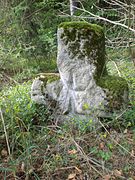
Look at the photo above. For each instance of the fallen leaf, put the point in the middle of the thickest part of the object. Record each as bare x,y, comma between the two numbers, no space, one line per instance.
117,173
102,145
73,151
107,177
22,167
5,160
71,176
132,153
78,170
105,135
125,131
4,153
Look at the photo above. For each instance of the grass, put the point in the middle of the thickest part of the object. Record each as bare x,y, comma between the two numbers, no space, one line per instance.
34,145
57,151
22,69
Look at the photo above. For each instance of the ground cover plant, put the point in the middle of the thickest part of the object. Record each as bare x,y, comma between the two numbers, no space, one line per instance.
36,146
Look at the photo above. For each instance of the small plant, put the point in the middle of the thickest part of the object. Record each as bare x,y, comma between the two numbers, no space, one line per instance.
83,124
20,113
129,117
104,155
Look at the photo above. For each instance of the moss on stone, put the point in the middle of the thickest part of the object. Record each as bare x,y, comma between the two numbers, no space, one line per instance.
113,83
115,87
82,25
93,36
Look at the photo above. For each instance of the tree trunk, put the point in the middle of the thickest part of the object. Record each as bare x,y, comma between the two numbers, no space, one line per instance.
73,4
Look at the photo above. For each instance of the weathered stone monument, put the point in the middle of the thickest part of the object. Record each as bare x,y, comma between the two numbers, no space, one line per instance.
83,85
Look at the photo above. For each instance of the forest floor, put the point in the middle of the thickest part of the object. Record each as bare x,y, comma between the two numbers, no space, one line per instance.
69,154
61,151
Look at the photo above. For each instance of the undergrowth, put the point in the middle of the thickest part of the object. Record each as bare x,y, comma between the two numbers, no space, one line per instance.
34,145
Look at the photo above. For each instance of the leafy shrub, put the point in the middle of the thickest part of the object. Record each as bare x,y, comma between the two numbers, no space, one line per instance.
19,112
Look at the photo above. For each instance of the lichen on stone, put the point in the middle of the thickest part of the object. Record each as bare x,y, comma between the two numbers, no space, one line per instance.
47,78
82,39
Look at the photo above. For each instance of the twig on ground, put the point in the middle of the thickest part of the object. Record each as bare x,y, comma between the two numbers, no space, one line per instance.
86,157
11,79
116,141
5,131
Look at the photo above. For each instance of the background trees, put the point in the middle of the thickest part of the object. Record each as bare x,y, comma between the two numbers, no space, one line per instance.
33,24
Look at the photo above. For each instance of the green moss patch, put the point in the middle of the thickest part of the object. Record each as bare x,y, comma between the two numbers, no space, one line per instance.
116,87
113,83
82,25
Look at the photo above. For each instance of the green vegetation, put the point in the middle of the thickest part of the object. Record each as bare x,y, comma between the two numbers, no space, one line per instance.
34,144
115,85
82,25
18,109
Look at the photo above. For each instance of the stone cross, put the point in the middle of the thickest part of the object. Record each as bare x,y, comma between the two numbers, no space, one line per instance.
84,86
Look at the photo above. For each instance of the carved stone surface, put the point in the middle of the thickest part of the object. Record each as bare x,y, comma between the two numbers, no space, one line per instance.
84,86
